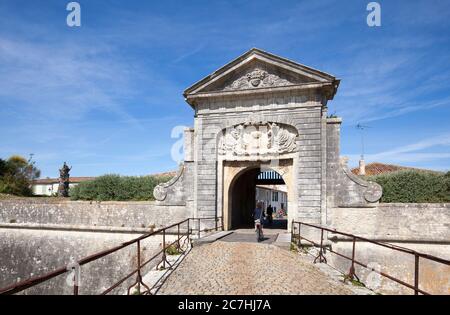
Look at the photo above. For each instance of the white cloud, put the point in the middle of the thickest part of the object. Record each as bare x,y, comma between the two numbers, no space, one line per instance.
59,80
410,154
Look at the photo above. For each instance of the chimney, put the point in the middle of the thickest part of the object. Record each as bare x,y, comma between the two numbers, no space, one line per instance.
362,167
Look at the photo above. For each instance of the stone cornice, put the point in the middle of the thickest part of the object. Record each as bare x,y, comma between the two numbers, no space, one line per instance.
327,88
335,120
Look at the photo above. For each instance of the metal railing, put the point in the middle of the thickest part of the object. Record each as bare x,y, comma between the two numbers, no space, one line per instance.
193,225
353,238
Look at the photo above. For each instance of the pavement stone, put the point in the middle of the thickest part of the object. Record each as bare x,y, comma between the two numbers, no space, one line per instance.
243,268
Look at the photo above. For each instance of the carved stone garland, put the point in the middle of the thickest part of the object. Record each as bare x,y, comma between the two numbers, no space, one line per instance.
262,139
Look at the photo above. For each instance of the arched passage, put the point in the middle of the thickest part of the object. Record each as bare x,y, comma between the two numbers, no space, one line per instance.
253,185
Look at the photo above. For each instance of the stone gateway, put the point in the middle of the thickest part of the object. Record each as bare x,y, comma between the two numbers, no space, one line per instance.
261,112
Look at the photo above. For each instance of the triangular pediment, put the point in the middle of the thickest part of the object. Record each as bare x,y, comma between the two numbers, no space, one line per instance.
257,74
259,70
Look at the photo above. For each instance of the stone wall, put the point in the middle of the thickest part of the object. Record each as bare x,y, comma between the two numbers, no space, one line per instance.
304,113
396,222
434,277
421,227
131,215
39,235
29,253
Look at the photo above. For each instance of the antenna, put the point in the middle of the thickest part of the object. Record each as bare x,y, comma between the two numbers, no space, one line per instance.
362,128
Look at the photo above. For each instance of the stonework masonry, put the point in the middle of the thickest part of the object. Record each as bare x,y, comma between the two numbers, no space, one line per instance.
27,253
396,222
121,216
264,109
421,227
39,235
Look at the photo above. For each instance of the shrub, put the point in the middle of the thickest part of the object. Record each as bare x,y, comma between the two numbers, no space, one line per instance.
414,186
117,188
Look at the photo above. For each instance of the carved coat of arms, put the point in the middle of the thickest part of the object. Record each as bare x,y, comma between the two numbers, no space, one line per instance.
257,78
263,139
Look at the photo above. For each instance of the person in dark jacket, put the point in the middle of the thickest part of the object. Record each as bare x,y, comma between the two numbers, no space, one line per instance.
269,213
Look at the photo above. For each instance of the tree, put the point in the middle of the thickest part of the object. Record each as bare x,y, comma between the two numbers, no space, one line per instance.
2,167
17,175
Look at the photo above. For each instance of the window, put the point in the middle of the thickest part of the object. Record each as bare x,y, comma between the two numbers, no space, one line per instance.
275,196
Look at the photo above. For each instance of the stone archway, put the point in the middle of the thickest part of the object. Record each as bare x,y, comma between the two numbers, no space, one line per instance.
242,198
239,189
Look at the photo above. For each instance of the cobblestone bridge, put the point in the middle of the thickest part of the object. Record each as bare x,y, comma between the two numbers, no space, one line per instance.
235,266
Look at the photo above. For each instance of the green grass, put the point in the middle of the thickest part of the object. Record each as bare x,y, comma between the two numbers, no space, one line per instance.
294,248
353,281
173,250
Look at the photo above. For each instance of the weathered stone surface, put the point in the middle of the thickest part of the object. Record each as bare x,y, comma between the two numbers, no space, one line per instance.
172,191
434,278
395,222
85,213
344,189
31,253
248,269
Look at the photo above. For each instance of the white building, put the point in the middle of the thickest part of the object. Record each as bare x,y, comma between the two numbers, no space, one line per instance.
49,186
274,195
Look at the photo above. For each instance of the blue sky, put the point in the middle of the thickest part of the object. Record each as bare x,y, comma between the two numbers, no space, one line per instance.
104,97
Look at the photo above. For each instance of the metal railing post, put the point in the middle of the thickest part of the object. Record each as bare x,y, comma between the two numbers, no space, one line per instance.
75,282
178,235
351,273
321,257
299,235
139,266
321,244
199,228
164,249
292,230
416,274
188,231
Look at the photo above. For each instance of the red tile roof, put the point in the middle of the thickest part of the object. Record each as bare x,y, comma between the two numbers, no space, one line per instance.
48,181
380,168
165,174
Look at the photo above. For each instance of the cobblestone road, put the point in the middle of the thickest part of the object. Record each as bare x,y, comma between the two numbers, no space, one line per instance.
247,268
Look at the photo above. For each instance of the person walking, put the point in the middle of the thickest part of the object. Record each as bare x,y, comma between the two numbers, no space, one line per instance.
269,213
258,216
